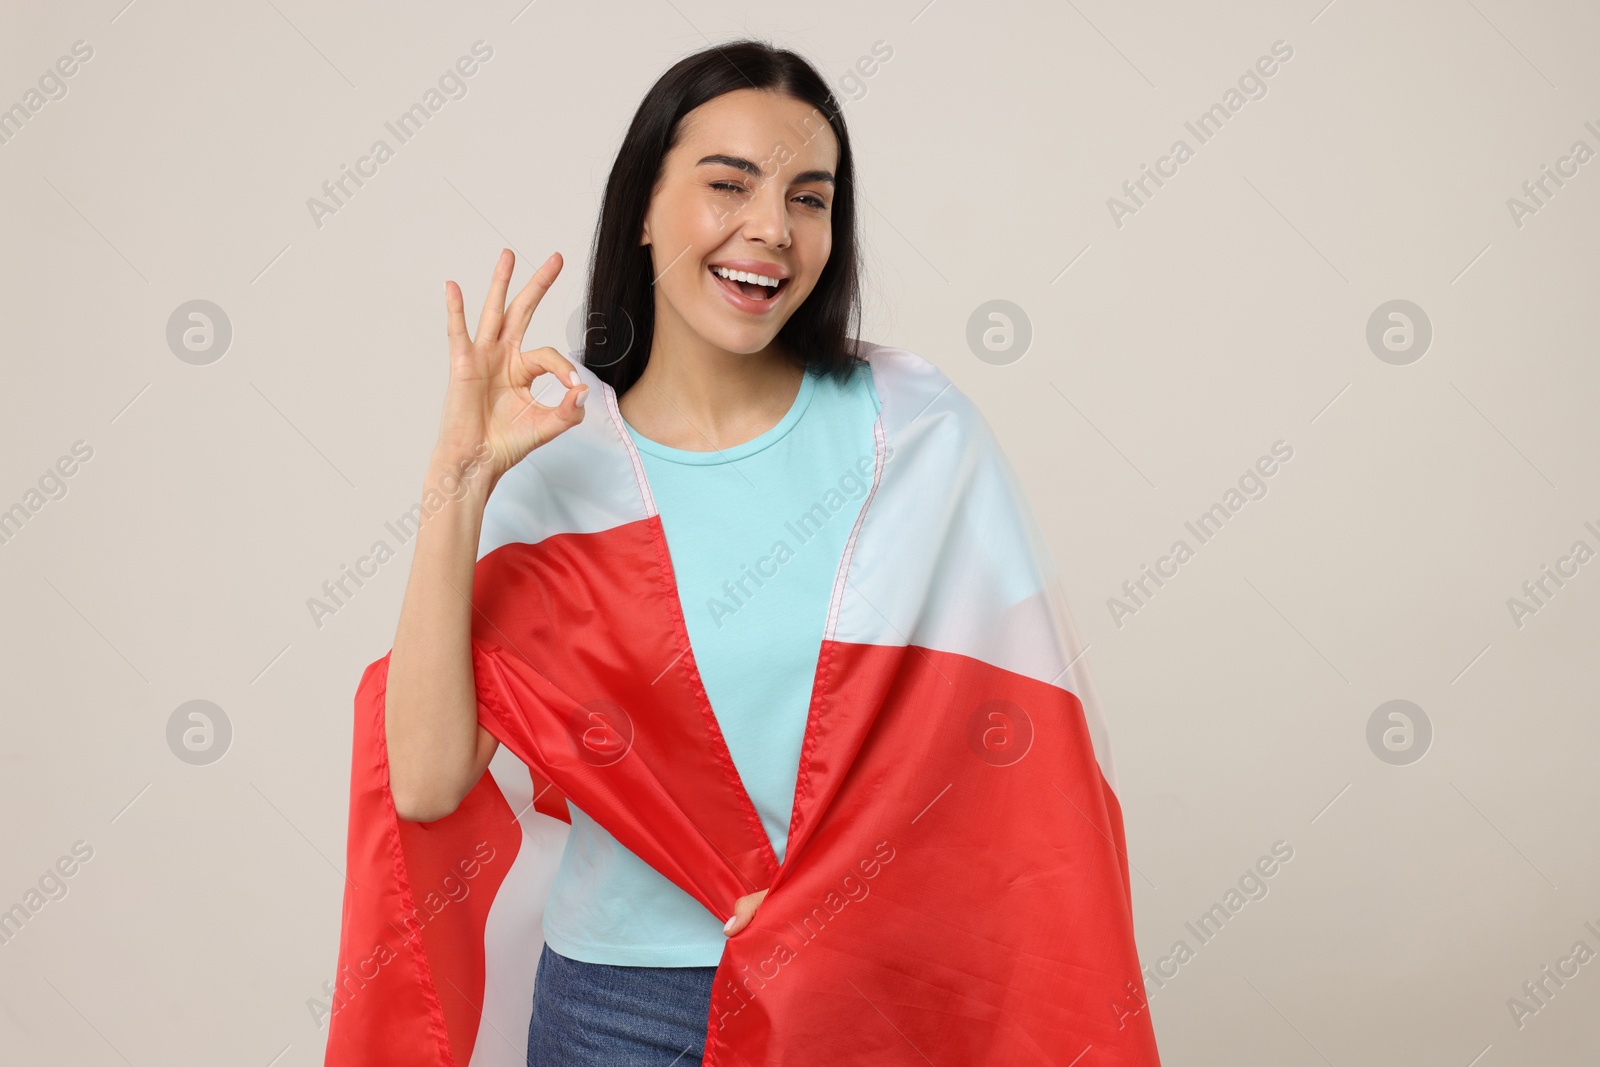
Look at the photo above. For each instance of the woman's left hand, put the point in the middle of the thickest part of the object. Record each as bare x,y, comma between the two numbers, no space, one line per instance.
744,909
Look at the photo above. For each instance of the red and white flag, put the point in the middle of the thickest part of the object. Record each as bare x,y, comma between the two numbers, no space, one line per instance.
955,887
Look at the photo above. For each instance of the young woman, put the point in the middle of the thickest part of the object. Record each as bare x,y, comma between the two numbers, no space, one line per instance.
721,300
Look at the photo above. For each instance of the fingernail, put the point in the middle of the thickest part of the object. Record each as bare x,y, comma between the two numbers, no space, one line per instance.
572,379
727,927
583,394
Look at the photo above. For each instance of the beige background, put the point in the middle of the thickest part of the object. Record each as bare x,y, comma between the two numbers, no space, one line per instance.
1228,313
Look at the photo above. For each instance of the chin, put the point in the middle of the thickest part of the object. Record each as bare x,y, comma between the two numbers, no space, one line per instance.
747,341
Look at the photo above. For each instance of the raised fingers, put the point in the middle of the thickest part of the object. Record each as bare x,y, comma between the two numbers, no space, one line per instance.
456,322
494,304
521,311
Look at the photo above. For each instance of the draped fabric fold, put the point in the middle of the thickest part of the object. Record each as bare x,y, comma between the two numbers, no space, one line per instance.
955,887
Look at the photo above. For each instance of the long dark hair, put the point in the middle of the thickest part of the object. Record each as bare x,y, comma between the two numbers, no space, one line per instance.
620,313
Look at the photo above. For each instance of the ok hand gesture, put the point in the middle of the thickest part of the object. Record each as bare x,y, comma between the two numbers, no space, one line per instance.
488,401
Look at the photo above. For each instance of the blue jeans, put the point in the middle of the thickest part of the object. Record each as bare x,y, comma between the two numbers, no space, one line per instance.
598,1014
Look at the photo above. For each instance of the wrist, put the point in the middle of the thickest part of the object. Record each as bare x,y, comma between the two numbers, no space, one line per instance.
457,473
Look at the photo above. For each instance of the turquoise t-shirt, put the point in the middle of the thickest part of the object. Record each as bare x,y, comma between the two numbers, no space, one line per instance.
755,533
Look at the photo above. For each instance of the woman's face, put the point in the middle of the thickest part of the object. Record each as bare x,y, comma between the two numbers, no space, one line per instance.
748,187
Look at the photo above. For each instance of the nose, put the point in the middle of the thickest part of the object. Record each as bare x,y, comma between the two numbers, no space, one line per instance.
766,216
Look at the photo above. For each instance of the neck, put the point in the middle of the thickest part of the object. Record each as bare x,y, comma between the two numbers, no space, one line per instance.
697,396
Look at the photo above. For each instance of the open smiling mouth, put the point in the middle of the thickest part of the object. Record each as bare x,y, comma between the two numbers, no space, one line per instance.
746,285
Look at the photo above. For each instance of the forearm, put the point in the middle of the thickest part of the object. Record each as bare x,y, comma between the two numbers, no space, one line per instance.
431,711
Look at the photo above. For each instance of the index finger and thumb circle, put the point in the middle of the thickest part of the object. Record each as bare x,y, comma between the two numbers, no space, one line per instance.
529,365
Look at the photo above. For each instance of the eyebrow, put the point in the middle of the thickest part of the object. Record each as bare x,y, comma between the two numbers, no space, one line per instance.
751,168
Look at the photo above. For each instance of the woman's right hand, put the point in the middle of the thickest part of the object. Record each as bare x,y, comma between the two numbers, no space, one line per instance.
488,402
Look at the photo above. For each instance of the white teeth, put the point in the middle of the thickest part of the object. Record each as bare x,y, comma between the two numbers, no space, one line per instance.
745,276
